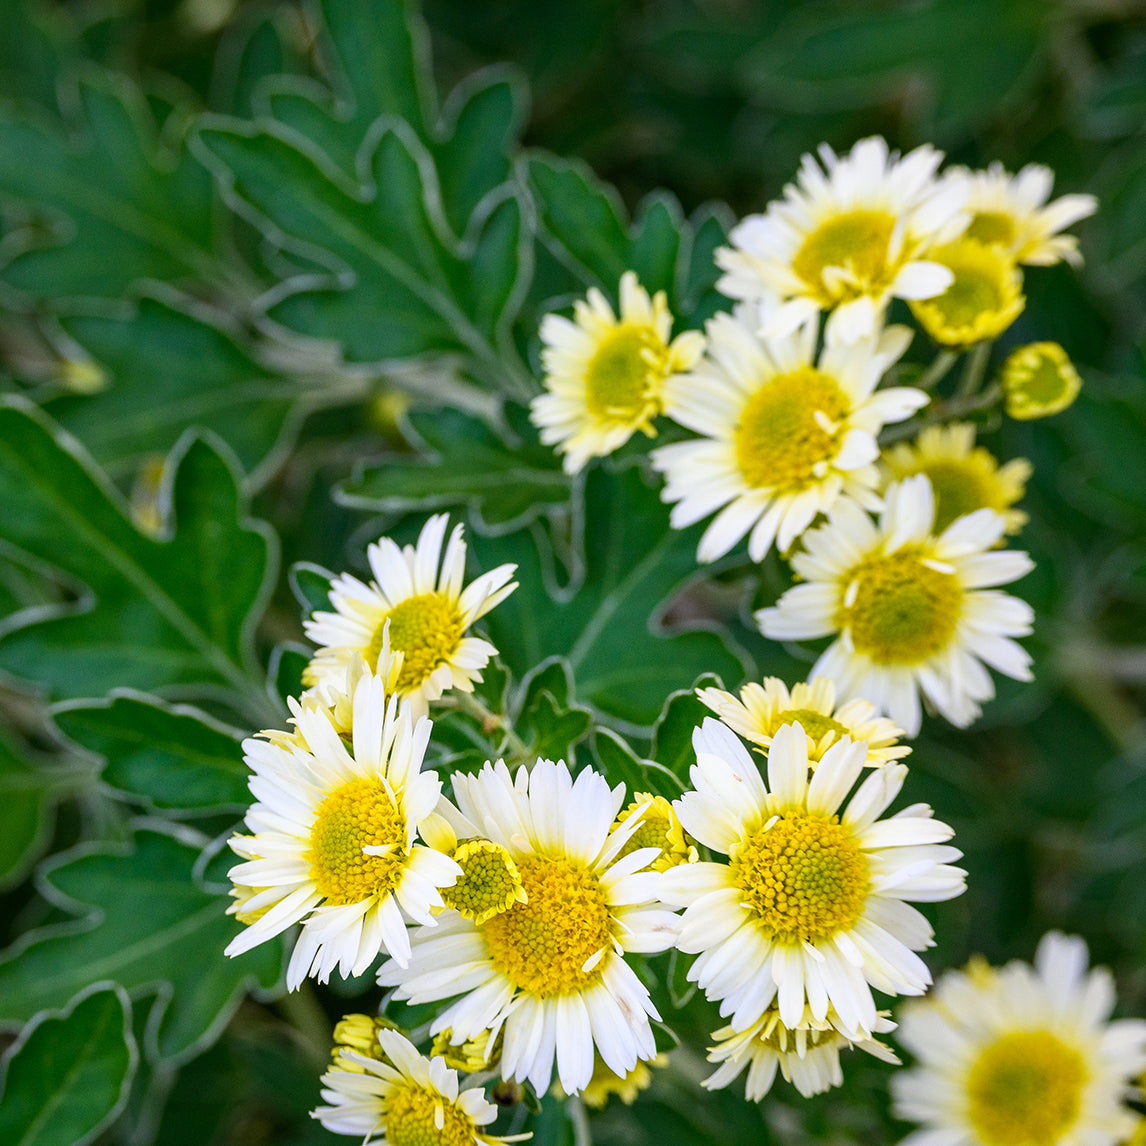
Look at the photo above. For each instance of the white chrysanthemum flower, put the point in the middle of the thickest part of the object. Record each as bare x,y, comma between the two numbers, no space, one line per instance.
912,611
808,1055
332,843
762,709
405,1100
604,375
428,613
1012,211
1021,1056
964,477
847,237
550,970
785,436
809,910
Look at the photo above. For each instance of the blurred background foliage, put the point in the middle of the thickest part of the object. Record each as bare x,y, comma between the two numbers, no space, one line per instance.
129,326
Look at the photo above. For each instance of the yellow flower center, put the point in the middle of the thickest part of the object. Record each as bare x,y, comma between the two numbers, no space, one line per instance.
1039,380
653,833
855,241
621,377
490,882
903,611
815,724
780,443
991,227
959,490
984,297
1025,1090
542,945
971,294
426,629
804,877
417,1116
357,815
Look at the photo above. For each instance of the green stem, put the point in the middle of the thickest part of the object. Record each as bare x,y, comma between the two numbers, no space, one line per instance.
303,1011
937,371
582,1135
974,370
490,720
939,411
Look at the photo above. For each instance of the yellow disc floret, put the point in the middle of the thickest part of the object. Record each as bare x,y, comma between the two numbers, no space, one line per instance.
469,1055
988,227
855,243
490,882
358,1033
360,814
815,724
660,828
803,876
1039,380
1025,1090
789,430
899,609
984,298
426,630
418,1116
544,944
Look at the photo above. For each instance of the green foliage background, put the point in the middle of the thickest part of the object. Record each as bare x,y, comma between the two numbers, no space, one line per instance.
306,263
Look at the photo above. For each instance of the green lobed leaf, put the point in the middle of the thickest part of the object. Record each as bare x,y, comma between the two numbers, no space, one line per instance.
376,54
68,1074
151,613
586,227
173,758
125,209
167,370
624,660
619,762
546,720
152,926
672,734
401,284
463,461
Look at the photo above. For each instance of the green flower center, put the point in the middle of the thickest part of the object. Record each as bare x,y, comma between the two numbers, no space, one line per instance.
1025,1090
357,815
903,611
488,884
958,491
855,241
804,877
814,723
620,379
426,629
992,227
1046,383
780,443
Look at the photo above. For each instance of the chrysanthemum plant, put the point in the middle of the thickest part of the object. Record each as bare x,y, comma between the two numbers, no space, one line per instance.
577,774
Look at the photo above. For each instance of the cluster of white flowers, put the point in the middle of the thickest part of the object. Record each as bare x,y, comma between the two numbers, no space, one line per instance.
518,904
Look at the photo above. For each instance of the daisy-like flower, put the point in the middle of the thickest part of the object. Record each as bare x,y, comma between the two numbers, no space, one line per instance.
848,237
1021,1056
659,829
333,836
428,613
912,612
1012,211
964,477
358,1033
402,1098
1038,380
808,911
808,1056
984,297
763,709
550,971
604,375
785,436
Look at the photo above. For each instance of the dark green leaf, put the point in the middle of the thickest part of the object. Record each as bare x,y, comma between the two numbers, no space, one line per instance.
151,927
153,613
464,462
681,716
403,285
172,757
624,661
619,762
125,209
68,1074
167,370
546,721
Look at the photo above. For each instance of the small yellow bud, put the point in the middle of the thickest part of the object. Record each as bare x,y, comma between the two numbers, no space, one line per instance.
1039,380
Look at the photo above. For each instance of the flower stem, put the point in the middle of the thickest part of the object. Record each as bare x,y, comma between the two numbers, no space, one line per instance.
935,373
974,370
490,720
